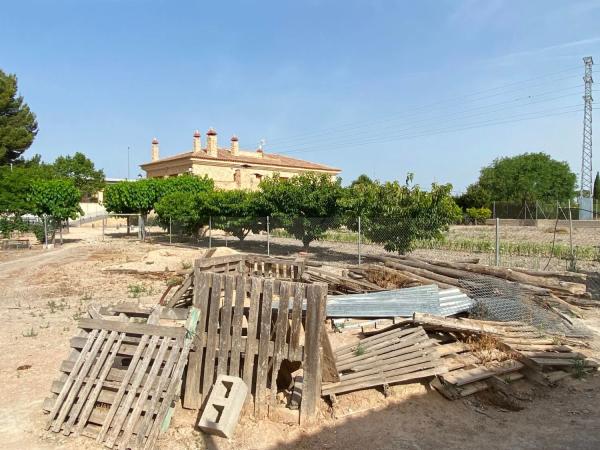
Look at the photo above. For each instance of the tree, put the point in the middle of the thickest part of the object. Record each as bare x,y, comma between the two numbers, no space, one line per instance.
528,177
596,191
58,199
18,126
239,213
398,215
82,171
15,185
474,197
185,211
304,205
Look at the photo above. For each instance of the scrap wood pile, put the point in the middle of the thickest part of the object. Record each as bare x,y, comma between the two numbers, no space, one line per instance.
459,357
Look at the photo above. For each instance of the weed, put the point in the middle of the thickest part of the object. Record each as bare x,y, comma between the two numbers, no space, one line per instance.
579,368
174,281
186,265
136,290
45,326
78,315
29,333
53,306
359,350
86,297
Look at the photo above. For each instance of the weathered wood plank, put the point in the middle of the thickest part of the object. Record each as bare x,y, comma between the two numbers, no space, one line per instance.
238,313
132,328
285,290
296,326
263,348
251,342
212,338
225,327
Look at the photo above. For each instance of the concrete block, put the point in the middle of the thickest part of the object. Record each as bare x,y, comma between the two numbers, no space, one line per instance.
223,407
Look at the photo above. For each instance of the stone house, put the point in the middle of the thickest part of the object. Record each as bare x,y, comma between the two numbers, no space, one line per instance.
230,168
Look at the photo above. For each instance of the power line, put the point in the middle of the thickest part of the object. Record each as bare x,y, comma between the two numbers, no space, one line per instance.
434,132
396,116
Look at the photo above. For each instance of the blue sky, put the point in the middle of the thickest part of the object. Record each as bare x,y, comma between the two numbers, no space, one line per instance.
438,88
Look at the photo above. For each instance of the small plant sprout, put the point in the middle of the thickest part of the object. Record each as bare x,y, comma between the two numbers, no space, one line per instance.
360,350
136,290
579,368
186,265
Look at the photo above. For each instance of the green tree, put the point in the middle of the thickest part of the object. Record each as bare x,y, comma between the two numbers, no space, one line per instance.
185,211
15,185
398,215
18,126
596,191
82,171
239,212
527,178
304,205
474,197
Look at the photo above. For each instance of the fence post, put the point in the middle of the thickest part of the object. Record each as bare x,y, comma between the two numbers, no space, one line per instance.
497,241
268,237
359,233
209,231
170,230
571,239
45,232
494,206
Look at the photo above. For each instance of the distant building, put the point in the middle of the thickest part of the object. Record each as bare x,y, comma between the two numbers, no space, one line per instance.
229,168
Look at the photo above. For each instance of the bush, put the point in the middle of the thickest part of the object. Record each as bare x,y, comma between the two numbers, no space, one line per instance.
38,230
478,215
10,224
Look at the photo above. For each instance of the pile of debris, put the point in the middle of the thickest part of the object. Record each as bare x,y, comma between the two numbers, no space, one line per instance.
242,328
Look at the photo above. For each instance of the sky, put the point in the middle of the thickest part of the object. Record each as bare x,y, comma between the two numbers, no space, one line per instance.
438,88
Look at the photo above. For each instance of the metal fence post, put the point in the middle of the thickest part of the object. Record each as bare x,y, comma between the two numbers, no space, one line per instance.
571,239
497,241
209,231
45,232
170,230
359,233
268,237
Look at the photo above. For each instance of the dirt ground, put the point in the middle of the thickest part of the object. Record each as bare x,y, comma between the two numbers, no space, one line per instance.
45,292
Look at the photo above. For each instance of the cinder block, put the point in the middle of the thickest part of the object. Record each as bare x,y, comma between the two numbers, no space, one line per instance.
223,407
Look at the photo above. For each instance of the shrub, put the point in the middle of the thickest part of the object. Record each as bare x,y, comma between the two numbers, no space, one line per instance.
478,215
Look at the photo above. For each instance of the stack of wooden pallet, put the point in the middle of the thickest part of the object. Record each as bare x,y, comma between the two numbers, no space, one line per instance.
124,372
400,354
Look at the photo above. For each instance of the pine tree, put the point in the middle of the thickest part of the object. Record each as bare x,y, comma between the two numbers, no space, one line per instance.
18,125
596,190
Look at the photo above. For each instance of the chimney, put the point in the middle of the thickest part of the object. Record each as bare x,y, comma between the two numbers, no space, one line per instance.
197,144
211,142
155,149
235,146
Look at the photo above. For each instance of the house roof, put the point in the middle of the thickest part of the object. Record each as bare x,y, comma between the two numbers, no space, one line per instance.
268,159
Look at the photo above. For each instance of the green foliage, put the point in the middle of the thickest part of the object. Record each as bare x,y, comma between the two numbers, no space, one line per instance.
479,215
187,211
15,185
239,212
398,216
56,198
475,197
132,197
18,125
528,177
596,191
82,171
304,205
10,224
185,183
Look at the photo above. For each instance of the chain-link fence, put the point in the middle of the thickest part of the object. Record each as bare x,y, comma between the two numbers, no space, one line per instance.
533,211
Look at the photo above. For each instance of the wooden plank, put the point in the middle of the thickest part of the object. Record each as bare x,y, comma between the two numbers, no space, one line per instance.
212,338
285,290
71,378
132,328
316,296
296,326
74,391
251,343
465,376
225,327
187,283
263,348
125,383
157,400
329,371
125,406
238,313
93,375
146,391
192,398
91,400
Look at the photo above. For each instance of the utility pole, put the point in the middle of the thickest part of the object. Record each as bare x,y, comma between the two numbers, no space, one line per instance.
586,185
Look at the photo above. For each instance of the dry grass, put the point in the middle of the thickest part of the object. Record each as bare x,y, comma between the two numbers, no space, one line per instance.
487,349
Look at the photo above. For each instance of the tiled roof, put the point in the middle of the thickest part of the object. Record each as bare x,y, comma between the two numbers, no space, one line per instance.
268,159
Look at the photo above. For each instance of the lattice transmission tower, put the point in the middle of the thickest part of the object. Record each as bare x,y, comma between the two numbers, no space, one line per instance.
586,186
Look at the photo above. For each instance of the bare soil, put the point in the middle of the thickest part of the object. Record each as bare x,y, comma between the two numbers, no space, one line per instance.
44,293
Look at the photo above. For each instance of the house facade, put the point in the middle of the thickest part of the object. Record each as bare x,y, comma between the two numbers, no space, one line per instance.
229,168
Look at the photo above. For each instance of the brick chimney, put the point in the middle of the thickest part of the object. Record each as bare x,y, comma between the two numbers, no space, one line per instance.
235,146
197,144
154,152
211,142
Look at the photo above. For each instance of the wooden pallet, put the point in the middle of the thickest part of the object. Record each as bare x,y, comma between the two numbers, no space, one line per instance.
122,377
397,355
241,334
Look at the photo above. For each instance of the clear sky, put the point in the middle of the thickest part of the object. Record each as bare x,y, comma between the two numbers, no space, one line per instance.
439,88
